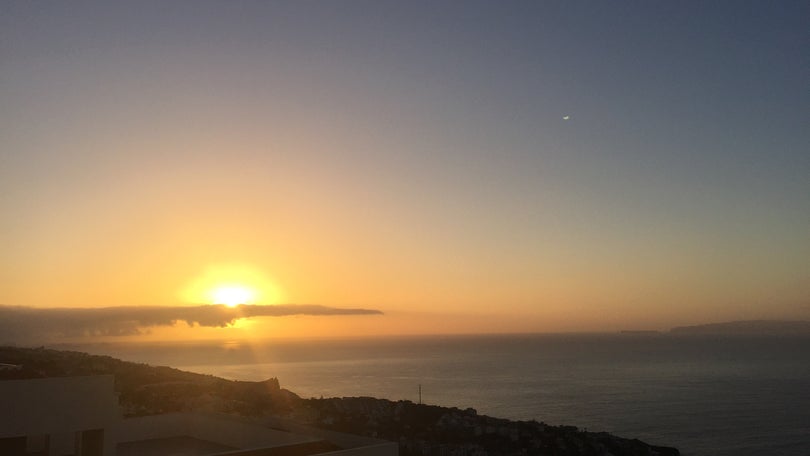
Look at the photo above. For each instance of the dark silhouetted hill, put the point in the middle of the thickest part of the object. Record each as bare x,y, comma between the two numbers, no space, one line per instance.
749,327
150,390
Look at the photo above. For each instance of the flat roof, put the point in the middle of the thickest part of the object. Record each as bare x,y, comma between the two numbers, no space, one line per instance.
175,446
191,446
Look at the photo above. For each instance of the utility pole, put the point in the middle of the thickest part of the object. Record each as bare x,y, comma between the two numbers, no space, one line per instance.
420,394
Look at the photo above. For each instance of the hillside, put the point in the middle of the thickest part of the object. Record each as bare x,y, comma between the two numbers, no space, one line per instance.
419,429
150,390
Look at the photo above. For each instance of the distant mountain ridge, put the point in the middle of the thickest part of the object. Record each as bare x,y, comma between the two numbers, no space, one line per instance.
749,327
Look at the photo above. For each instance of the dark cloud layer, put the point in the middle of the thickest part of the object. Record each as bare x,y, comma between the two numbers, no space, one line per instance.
29,323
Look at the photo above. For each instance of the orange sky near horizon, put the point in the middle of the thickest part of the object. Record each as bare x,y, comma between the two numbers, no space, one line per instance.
459,170
122,243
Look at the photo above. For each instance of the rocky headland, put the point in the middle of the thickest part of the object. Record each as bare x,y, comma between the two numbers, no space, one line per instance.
418,428
748,328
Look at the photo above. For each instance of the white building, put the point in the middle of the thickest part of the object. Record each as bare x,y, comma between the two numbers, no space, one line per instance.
58,416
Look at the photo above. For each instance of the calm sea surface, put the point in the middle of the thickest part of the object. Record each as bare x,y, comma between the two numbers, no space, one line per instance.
705,395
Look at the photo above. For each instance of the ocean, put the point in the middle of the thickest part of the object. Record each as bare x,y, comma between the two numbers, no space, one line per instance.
705,395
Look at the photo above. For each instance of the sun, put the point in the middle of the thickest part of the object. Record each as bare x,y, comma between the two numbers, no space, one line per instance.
232,295
231,285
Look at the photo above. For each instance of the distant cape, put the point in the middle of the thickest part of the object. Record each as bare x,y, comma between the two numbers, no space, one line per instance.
749,327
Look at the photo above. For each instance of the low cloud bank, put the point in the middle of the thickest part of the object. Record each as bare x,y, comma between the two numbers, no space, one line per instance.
27,323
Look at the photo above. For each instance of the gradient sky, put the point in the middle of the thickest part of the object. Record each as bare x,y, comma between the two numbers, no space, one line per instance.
411,157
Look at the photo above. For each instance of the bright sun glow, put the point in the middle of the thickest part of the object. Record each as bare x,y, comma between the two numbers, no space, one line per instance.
232,295
231,285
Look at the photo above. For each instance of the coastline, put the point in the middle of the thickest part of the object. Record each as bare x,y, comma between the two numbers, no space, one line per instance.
417,428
